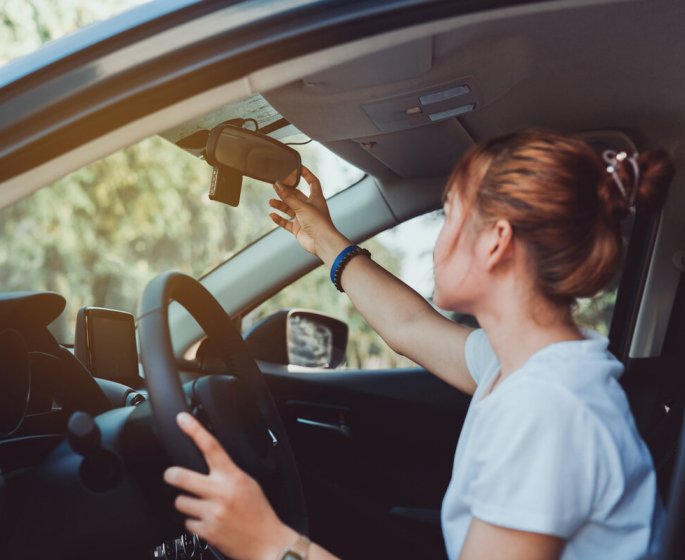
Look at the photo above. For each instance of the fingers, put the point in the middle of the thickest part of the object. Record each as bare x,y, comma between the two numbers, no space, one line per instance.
291,179
310,177
282,206
192,507
196,527
214,454
189,481
292,196
281,222
312,180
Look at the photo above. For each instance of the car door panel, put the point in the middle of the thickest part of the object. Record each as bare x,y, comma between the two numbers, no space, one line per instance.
375,453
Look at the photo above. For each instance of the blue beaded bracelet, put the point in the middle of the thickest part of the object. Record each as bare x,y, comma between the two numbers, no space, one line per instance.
340,262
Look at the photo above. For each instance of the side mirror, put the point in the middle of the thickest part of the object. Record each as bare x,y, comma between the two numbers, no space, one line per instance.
299,337
235,152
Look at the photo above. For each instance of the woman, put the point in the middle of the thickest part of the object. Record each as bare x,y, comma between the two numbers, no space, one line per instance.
549,462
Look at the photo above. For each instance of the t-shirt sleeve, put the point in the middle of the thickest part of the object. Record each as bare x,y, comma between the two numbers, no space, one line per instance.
479,355
539,461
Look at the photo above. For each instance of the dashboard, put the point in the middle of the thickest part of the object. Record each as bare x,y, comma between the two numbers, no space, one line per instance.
15,384
42,384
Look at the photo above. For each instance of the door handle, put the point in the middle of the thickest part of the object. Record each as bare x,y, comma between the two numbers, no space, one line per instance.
342,429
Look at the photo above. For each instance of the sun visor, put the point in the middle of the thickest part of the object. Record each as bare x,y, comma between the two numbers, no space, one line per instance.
42,307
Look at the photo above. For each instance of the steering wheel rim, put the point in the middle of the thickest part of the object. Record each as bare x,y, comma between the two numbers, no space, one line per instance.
167,397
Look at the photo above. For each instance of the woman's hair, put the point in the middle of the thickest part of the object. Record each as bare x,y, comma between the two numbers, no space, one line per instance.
561,202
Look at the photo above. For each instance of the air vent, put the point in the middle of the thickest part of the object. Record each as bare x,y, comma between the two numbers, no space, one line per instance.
134,399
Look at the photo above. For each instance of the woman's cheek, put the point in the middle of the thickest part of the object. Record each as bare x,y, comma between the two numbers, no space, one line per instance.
442,245
445,256
438,297
444,286
456,280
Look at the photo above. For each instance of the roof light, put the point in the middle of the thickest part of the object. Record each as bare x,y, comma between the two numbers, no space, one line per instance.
444,95
451,112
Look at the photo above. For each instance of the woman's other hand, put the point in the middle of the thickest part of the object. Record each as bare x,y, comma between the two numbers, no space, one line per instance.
226,507
310,222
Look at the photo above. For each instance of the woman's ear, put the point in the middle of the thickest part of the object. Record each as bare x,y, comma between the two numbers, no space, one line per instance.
500,243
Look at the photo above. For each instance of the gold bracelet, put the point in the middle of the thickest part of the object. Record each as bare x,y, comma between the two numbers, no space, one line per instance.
297,551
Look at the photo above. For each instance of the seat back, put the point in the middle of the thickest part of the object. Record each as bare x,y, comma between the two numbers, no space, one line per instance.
656,391
674,536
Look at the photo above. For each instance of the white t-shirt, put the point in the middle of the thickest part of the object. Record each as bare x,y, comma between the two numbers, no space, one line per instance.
554,450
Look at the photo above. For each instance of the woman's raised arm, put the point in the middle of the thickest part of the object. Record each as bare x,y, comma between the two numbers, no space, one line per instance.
401,316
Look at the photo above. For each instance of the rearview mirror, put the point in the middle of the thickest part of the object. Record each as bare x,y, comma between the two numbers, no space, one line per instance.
235,152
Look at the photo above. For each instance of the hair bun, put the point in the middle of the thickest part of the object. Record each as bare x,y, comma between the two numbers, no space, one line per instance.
655,173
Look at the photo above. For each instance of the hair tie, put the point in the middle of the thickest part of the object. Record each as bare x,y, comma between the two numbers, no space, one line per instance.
615,161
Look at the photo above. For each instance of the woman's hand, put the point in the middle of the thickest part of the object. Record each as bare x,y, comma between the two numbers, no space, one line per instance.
310,222
227,507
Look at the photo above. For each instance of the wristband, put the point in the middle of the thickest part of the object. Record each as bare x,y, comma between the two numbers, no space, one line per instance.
340,262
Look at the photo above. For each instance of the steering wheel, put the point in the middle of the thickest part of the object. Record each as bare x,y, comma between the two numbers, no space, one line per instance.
237,407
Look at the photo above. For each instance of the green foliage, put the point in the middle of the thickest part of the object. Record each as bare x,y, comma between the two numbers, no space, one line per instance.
595,313
27,24
100,234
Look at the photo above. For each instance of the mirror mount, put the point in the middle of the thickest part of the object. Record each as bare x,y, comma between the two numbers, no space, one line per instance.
226,183
226,186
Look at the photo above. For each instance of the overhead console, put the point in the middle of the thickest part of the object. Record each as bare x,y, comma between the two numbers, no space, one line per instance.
423,106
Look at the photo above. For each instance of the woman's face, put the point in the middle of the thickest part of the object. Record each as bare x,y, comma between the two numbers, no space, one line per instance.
458,276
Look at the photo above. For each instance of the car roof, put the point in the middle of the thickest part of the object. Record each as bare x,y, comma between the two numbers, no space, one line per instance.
569,66
149,65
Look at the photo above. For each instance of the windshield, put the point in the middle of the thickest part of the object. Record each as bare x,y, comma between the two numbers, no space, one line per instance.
98,235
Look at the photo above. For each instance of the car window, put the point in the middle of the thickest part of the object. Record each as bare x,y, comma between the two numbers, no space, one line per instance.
407,251
334,173
27,24
100,234
595,313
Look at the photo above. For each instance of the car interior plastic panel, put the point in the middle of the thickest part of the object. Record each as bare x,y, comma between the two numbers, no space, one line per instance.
663,277
669,421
